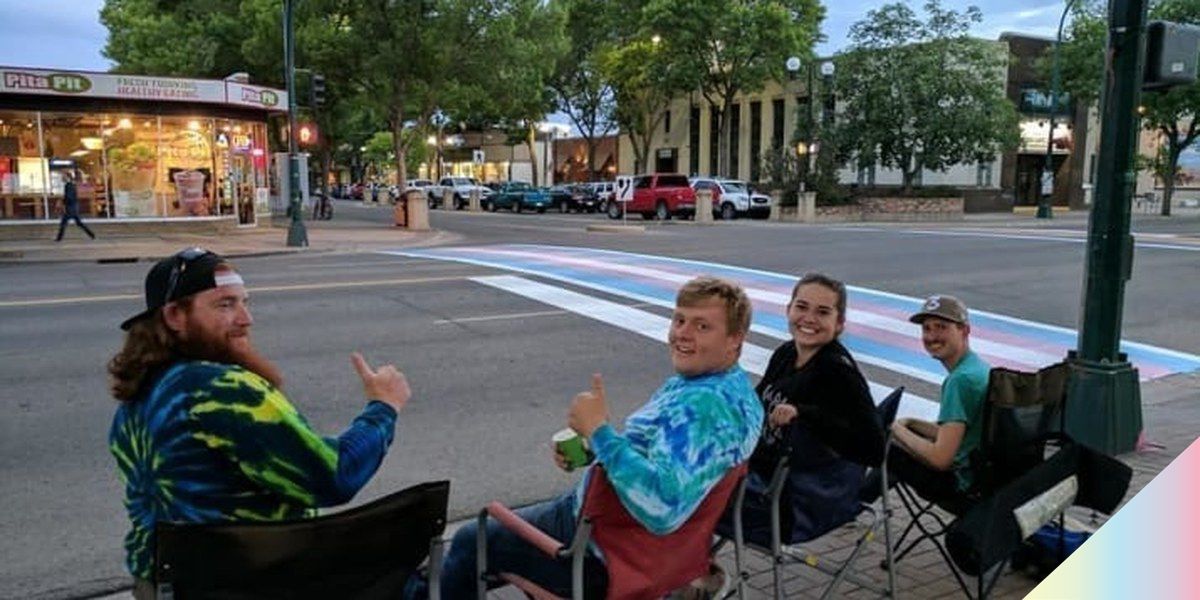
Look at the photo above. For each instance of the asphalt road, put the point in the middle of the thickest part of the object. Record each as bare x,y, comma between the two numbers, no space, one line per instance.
492,372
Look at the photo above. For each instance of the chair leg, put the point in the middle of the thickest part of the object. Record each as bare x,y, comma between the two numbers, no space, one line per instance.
859,545
887,536
435,568
776,550
481,557
739,540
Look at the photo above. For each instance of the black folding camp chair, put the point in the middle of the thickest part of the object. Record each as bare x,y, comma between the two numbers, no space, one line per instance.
364,553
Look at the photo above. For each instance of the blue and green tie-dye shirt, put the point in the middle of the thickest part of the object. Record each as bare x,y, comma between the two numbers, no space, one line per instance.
213,442
678,446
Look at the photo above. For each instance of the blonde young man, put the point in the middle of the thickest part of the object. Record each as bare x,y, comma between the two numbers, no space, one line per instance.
936,455
703,421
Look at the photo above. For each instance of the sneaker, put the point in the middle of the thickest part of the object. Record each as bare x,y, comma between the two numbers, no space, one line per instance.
707,587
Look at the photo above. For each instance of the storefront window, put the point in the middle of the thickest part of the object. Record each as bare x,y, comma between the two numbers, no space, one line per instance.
22,174
73,144
131,148
185,183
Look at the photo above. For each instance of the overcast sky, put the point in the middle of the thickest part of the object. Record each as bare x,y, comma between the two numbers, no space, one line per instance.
67,34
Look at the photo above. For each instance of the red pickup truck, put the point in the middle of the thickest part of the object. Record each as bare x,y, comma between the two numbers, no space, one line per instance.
657,196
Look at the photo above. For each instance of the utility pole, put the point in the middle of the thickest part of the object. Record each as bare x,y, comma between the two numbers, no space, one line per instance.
297,234
1104,408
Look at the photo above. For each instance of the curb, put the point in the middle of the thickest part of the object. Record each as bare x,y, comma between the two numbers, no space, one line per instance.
616,228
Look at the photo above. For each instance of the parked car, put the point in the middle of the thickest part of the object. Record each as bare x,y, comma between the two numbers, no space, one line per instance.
583,198
604,193
730,198
760,204
560,197
518,196
356,191
461,188
657,196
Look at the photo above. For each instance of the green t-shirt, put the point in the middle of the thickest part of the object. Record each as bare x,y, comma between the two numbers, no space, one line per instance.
963,393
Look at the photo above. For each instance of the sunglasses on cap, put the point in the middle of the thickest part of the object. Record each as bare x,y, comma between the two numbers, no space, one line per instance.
183,258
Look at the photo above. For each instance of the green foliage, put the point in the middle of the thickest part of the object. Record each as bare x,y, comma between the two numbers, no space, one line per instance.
1171,113
727,48
922,94
579,86
184,38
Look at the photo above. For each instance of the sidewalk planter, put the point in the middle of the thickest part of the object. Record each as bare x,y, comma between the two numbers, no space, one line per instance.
911,209
873,209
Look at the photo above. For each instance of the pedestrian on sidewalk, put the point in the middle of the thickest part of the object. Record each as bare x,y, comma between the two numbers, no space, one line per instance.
203,432
71,207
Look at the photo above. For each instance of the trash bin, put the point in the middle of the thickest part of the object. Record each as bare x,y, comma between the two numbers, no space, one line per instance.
400,212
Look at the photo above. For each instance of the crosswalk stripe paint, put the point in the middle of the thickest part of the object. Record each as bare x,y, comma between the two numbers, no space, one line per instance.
754,357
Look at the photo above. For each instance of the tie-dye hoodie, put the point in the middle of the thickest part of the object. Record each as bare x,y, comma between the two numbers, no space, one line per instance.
678,446
213,442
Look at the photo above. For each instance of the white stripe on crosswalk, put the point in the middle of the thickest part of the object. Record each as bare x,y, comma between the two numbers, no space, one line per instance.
754,357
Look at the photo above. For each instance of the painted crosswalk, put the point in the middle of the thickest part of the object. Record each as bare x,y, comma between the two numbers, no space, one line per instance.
877,328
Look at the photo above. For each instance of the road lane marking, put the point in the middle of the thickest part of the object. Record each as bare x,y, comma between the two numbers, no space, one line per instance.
883,338
255,289
754,357
545,313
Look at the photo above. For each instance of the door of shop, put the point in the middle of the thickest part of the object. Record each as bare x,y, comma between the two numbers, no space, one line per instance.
240,187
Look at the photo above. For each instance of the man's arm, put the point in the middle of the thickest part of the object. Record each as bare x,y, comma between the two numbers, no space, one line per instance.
661,489
936,450
273,445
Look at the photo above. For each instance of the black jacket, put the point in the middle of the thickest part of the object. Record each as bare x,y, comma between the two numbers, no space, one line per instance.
835,435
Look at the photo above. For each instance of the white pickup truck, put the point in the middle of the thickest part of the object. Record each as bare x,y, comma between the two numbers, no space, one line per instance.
462,188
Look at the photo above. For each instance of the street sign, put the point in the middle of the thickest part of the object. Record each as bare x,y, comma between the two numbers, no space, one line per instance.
477,157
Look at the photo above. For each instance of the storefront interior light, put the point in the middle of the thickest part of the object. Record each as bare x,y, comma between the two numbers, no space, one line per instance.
194,125
92,143
431,140
125,124
145,123
80,152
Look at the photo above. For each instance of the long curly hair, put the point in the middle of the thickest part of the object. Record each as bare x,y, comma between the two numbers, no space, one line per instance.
149,346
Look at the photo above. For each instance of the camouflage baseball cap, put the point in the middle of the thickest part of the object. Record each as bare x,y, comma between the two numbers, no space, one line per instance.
943,307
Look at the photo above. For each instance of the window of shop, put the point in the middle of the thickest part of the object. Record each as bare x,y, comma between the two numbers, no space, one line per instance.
24,170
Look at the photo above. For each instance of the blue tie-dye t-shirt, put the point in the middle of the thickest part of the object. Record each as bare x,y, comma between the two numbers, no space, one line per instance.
678,446
213,442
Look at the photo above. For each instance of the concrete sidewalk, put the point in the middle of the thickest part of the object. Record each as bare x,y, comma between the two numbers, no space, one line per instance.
323,236
1171,410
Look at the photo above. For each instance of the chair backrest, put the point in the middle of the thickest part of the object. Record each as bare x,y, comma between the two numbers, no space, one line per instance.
888,408
365,552
1022,411
641,564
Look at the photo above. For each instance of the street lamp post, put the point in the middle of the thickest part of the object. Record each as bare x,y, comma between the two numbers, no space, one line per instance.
1045,209
297,234
1103,408
793,69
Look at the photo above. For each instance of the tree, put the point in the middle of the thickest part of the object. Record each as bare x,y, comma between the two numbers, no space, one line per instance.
1171,113
730,48
181,38
524,41
644,80
579,86
922,94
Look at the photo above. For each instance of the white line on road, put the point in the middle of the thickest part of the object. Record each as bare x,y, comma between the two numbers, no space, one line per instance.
544,313
270,288
754,358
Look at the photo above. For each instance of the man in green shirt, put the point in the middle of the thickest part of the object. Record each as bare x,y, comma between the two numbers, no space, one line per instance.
935,456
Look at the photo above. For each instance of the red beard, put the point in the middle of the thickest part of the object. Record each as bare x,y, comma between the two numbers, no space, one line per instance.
203,345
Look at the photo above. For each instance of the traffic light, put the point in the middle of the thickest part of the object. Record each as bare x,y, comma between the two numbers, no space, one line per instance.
318,90
306,134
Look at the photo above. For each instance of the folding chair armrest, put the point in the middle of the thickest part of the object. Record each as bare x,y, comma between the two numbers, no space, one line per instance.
536,537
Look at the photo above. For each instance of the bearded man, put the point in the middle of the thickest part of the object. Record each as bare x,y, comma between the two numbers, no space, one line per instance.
203,432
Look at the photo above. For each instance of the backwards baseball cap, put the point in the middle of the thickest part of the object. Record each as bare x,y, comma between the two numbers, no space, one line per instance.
943,307
189,271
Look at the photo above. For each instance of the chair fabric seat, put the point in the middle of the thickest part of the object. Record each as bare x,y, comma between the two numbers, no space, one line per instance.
366,552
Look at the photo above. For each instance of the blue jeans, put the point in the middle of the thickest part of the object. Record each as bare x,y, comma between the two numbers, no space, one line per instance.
508,553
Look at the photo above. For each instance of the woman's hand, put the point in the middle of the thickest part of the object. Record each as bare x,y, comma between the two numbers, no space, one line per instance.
781,415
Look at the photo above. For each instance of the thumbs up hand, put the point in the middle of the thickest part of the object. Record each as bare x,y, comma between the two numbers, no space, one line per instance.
589,410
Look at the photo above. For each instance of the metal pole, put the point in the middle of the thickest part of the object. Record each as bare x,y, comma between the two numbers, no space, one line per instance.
297,234
1104,403
1045,201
